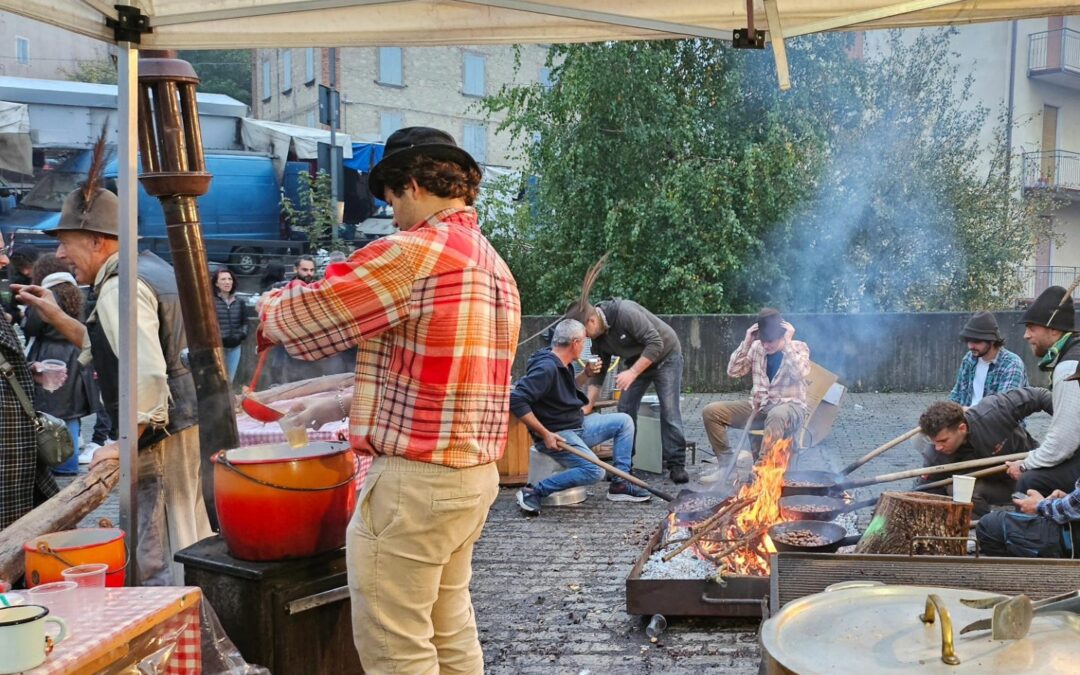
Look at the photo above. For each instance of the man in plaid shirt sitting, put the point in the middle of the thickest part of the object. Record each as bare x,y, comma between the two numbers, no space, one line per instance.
779,366
434,313
987,368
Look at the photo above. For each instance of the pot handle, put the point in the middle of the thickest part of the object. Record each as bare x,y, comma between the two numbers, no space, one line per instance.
221,459
934,603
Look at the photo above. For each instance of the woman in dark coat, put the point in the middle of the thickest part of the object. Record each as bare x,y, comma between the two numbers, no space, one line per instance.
232,315
72,401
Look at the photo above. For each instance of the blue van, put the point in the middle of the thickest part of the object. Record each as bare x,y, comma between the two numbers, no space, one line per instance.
240,214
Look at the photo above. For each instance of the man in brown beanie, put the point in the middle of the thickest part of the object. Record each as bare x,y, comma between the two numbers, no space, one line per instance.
779,366
1055,464
987,368
171,511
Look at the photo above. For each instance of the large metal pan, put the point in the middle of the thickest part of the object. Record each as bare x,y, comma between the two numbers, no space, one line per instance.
820,483
834,535
810,507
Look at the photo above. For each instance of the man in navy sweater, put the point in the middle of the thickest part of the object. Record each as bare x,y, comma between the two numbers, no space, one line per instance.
547,400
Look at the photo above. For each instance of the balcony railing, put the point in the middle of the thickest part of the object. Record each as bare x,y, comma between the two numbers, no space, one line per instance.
1058,169
1055,55
1037,278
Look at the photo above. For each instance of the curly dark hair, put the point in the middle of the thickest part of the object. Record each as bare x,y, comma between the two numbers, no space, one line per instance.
441,178
941,415
68,296
214,279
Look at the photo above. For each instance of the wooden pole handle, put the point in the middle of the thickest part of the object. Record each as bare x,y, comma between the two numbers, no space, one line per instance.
931,470
974,474
566,447
879,450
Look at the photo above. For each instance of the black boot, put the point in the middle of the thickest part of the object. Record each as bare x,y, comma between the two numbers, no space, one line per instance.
678,473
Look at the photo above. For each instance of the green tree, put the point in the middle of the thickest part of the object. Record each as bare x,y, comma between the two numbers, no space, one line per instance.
98,71
315,212
222,71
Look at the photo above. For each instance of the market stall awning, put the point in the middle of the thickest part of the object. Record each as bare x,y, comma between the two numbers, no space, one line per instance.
216,24
16,147
277,139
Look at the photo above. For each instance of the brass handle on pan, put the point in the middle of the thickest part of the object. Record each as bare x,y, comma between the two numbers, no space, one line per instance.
934,603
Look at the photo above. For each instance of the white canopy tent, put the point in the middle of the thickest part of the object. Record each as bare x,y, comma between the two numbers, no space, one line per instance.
279,139
15,145
207,24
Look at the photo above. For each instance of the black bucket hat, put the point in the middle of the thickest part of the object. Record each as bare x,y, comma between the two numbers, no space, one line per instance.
404,144
981,326
1048,310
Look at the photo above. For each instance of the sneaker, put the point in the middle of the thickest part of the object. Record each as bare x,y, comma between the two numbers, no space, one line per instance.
528,499
87,453
622,491
678,474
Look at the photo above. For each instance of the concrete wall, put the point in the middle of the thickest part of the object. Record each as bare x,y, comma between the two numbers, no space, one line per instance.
51,49
869,352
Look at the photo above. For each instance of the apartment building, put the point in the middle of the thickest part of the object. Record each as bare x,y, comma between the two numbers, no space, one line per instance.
386,88
30,48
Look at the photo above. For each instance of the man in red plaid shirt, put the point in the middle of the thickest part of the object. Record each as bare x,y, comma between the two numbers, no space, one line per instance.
435,313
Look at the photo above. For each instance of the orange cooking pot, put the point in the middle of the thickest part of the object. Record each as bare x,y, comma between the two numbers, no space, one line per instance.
50,554
276,502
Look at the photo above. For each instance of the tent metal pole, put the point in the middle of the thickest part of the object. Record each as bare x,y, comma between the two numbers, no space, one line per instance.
126,158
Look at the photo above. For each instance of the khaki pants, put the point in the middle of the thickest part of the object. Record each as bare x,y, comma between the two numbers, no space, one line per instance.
172,513
409,554
782,420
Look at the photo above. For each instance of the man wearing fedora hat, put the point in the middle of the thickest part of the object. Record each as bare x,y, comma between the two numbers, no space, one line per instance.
987,368
1055,464
435,314
172,513
779,366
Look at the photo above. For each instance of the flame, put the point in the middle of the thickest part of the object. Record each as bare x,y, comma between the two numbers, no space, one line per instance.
764,490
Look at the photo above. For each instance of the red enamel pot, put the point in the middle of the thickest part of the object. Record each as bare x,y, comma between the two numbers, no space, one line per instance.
276,502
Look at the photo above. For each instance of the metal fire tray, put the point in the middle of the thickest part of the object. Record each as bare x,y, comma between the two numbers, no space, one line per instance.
795,575
741,596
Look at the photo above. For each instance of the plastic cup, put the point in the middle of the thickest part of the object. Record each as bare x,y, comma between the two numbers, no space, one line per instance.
58,596
295,435
53,373
962,488
90,594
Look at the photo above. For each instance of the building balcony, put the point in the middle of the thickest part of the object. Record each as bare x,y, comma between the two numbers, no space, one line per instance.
1053,170
1054,57
1034,279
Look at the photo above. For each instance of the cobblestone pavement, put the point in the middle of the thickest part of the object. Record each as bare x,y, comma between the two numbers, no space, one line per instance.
549,590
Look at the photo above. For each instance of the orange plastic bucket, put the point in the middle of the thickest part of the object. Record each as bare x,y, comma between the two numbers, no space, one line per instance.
49,555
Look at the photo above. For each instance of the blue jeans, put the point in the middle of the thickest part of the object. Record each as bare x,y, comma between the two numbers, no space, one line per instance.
232,361
597,429
666,377
71,466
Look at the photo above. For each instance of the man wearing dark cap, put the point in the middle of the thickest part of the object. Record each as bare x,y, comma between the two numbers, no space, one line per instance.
988,368
172,514
779,366
1055,464
435,314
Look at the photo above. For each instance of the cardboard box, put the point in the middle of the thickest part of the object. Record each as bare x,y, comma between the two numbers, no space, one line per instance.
823,394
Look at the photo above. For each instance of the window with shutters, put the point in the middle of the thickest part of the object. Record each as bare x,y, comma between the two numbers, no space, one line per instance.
390,67
266,90
311,119
474,75
22,51
475,141
389,122
286,71
309,66
544,77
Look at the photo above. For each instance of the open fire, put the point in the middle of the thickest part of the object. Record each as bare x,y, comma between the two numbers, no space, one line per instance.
737,542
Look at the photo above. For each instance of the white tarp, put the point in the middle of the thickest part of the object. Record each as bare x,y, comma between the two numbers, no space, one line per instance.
224,24
16,147
278,138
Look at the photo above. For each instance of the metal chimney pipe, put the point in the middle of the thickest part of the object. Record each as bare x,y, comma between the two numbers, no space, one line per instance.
174,171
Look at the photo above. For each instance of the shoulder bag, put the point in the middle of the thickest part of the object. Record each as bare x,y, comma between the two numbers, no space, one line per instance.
54,443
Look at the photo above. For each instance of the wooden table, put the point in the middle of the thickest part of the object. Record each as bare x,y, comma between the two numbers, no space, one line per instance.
96,641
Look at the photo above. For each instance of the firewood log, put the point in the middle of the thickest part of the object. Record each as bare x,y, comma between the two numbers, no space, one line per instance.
902,516
62,511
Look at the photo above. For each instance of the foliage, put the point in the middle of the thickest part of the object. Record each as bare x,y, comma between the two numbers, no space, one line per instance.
716,192
315,211
222,71
97,71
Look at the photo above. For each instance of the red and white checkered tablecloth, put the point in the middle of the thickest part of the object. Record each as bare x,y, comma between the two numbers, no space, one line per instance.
172,612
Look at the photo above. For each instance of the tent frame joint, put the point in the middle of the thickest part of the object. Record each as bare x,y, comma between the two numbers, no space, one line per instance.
745,38
129,25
